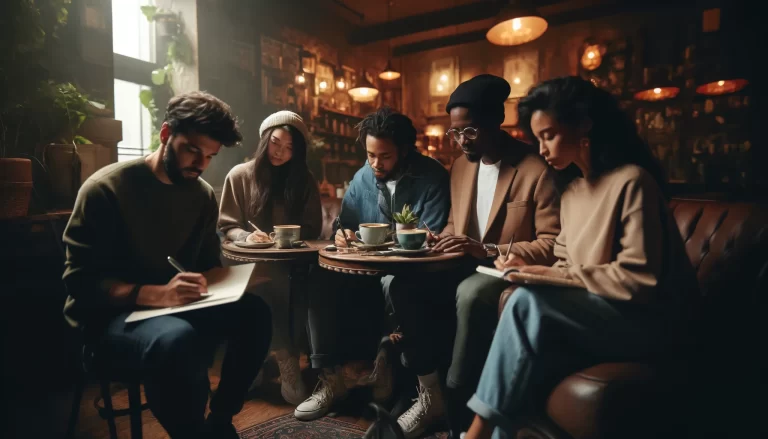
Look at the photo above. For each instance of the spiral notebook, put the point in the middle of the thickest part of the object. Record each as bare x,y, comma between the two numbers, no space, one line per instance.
225,285
514,276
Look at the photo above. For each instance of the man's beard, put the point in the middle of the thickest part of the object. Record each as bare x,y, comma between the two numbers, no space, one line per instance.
172,169
473,157
391,175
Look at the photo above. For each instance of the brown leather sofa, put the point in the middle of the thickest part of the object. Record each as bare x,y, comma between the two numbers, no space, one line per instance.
705,391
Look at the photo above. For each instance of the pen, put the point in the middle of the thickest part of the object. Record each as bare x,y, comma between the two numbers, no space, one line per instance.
506,256
181,269
176,265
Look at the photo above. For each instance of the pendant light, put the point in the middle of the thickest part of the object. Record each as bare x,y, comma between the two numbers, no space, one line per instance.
660,55
363,91
658,85
389,72
517,25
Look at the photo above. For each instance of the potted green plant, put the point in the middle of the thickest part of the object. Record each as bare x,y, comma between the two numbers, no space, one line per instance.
34,110
405,219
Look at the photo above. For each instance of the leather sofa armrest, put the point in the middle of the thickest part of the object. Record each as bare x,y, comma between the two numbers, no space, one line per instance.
606,400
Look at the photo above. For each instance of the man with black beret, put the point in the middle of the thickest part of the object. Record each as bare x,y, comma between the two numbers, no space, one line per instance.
502,194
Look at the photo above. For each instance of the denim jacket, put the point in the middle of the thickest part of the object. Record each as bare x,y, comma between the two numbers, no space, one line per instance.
425,186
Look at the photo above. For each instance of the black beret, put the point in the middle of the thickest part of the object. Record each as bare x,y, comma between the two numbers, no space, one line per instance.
484,95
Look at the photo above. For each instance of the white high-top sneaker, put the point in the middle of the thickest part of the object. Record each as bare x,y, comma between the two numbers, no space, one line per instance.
329,390
291,385
380,378
427,409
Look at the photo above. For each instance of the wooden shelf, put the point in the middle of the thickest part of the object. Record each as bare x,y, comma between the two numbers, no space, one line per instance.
330,134
339,112
348,162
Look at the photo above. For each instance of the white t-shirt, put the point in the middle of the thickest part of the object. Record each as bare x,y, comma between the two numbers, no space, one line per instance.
487,176
391,186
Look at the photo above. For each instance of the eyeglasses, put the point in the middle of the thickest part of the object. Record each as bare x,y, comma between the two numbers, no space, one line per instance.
468,132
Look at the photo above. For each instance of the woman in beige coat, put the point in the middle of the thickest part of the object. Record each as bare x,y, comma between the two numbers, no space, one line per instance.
275,187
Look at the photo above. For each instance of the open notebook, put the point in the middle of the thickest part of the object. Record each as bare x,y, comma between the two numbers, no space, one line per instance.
512,275
225,285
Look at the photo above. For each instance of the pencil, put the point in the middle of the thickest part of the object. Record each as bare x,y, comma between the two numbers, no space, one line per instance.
254,226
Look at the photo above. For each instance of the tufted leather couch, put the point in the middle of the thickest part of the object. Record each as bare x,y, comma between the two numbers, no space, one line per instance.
703,387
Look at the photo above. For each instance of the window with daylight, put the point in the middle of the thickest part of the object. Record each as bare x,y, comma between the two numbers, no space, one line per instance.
133,46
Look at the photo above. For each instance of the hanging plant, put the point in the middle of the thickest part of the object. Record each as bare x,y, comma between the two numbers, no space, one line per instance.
178,55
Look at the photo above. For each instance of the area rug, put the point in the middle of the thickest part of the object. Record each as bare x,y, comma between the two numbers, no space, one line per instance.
288,427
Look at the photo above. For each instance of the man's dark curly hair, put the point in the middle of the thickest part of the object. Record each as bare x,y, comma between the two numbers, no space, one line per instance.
386,123
203,113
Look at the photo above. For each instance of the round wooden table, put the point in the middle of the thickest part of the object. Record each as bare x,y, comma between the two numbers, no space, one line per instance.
361,264
272,254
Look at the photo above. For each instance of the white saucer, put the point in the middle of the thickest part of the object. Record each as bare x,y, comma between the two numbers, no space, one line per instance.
399,250
256,245
362,246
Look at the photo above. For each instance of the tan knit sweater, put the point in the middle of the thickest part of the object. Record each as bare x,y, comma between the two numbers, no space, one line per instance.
620,240
235,202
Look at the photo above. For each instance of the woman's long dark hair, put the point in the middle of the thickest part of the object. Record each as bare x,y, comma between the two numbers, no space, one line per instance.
264,185
613,138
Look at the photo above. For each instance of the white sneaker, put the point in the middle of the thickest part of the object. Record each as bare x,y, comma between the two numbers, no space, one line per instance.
380,378
427,409
329,389
292,386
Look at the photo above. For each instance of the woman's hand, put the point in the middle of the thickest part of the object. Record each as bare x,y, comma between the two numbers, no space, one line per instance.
258,236
504,263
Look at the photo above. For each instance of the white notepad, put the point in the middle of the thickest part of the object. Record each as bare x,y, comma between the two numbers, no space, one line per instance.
225,285
493,272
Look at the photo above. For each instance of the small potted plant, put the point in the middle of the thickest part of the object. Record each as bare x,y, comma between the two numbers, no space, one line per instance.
406,219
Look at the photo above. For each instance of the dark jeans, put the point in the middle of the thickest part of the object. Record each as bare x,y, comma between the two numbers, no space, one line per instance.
345,319
424,307
171,355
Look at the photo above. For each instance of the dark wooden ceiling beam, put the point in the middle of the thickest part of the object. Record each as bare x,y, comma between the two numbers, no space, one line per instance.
424,22
553,20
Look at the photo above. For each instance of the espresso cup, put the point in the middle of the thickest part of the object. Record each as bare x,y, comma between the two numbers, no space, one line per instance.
412,239
285,235
373,233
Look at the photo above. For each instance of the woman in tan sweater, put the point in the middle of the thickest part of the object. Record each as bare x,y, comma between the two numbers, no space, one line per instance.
618,243
274,188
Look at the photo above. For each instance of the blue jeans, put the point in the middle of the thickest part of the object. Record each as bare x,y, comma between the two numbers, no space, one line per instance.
546,333
171,355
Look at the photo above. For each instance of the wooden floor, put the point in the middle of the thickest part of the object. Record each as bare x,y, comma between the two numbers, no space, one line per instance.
46,417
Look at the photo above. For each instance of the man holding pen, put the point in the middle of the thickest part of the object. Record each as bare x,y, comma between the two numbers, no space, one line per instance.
129,221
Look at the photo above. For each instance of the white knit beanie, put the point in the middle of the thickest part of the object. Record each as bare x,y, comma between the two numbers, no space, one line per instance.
285,118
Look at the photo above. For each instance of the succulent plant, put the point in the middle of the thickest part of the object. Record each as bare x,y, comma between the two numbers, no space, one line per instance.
406,216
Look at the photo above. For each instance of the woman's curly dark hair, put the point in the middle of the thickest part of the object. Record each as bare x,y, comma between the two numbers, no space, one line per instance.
613,137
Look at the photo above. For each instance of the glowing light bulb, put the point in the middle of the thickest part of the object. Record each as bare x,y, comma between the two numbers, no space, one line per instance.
590,55
516,80
517,24
440,87
323,85
443,78
657,90
340,84
720,83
